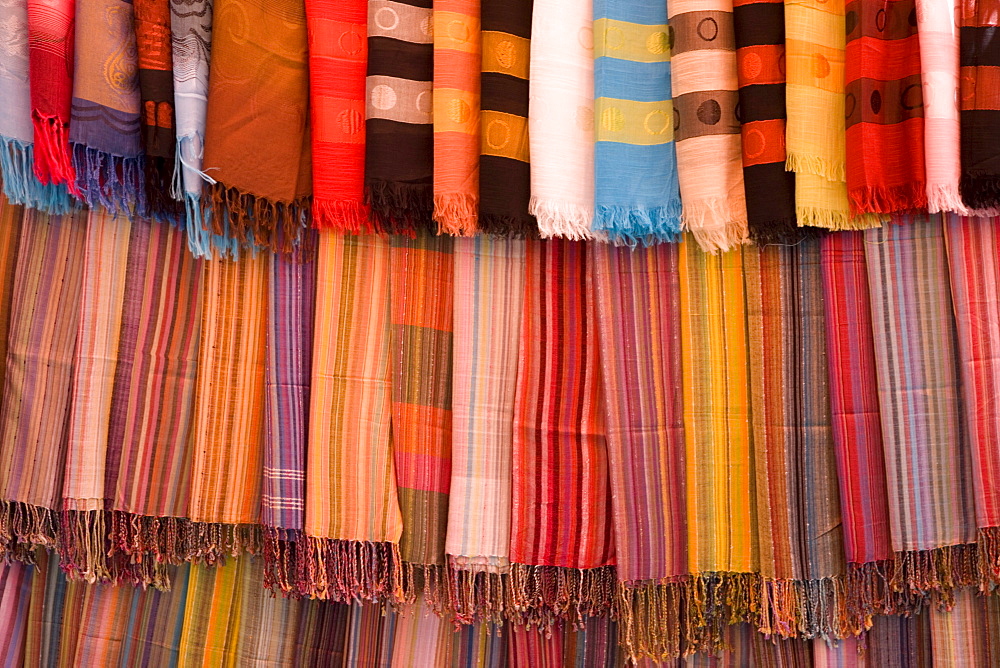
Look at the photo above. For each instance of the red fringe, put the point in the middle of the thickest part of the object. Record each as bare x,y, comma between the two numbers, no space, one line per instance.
897,199
342,216
256,220
53,157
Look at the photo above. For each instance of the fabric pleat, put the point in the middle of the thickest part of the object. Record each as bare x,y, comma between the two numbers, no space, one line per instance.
979,102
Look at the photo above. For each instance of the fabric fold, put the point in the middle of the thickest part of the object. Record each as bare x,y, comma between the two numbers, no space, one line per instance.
979,102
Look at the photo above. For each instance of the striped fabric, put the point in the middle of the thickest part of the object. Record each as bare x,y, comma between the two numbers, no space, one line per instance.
10,236
636,194
931,498
351,501
228,423
857,428
488,292
957,634
15,596
211,614
39,372
843,654
420,354
457,71
561,508
420,638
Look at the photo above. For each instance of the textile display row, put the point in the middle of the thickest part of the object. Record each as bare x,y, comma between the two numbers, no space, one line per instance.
513,432
631,121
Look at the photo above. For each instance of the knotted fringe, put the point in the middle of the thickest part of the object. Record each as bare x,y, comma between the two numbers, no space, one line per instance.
341,215
17,172
252,220
539,595
628,226
478,595
836,219
115,182
944,197
429,583
399,208
164,207
716,224
87,552
813,164
780,231
201,242
561,219
456,214
23,527
897,199
515,227
53,156
980,190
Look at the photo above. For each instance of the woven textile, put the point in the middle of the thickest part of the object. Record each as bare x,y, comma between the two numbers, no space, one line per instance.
105,127
258,97
884,107
11,217
504,170
704,85
351,503
561,506
956,634
561,118
399,147
635,165
979,101
457,71
15,596
338,54
420,353
939,51
488,292
760,56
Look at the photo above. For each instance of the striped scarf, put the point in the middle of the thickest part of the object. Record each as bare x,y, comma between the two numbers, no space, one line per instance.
258,97
884,107
338,54
979,101
561,118
635,167
399,148
505,173
11,217
957,633
704,84
457,67
15,596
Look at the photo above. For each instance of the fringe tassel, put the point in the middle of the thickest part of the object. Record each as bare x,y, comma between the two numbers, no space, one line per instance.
117,183
23,527
897,199
539,595
17,172
163,206
944,197
837,220
399,208
560,219
428,582
516,227
456,214
717,225
980,190
478,595
201,242
812,164
780,231
53,155
255,220
341,215
630,226
652,622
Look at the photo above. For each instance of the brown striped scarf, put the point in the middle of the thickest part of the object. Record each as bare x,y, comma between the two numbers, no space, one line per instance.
979,100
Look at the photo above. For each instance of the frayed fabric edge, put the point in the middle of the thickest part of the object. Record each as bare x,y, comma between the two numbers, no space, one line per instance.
341,215
718,225
639,226
115,182
813,164
22,186
564,220
887,200
456,214
837,220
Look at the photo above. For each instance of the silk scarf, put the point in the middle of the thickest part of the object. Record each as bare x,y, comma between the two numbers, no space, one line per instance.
561,118
399,146
258,97
504,162
979,101
704,86
338,54
884,108
457,67
636,195
760,56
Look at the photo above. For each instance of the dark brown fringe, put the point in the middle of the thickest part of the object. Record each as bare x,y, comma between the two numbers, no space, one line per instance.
539,595
159,173
980,190
784,232
428,582
516,227
400,208
23,527
253,220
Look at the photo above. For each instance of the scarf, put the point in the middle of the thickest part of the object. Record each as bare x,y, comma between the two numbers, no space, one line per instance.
420,353
975,278
15,595
488,292
399,148
704,83
51,27
156,92
905,641
854,399
105,130
105,256
637,309
760,55
258,97
561,531
457,65
10,234
227,429
939,52
45,302
957,633
979,101
561,118
505,172
353,518
884,107
338,54
635,166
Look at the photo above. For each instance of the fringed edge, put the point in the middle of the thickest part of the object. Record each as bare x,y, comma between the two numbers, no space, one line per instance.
399,208
341,215
652,621
562,219
456,214
717,225
812,164
430,584
780,231
980,190
944,198
885,200
478,595
509,227
21,184
252,220
334,570
634,226
115,182
87,552
837,220
539,595
160,173
24,527
53,154
201,242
